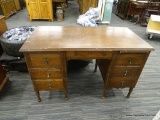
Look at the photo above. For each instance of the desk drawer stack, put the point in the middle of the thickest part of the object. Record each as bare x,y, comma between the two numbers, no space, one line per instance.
47,70
125,70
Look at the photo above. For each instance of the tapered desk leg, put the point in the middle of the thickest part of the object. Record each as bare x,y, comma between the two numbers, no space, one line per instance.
95,69
104,93
129,93
38,96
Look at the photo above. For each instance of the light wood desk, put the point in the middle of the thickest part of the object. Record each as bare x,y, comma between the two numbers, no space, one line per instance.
120,54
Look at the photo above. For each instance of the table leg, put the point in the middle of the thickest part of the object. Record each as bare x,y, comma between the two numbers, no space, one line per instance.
129,93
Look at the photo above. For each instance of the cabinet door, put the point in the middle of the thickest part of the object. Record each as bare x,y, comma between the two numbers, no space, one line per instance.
17,4
33,9
11,7
44,9
4,8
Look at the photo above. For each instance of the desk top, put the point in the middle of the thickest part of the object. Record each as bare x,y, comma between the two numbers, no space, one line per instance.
70,38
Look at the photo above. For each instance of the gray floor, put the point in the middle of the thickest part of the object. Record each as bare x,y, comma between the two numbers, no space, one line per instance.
18,100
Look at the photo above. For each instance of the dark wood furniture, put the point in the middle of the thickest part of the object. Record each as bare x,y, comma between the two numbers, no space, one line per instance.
3,78
84,5
122,8
127,8
3,28
120,53
152,8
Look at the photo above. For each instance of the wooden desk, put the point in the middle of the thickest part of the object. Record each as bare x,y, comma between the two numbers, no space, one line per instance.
120,54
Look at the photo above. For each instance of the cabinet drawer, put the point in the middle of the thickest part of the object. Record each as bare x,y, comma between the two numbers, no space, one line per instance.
39,73
45,60
89,54
55,84
43,0
119,82
125,71
130,59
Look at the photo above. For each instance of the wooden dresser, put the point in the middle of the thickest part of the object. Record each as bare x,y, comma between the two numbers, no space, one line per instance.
3,78
120,55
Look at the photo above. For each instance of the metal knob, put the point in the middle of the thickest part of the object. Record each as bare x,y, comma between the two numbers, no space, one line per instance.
50,86
130,60
125,73
46,60
104,54
48,74
122,82
75,54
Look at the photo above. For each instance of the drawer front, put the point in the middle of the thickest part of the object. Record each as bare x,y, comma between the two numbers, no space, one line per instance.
43,0
125,71
119,82
130,59
45,73
56,84
45,60
89,54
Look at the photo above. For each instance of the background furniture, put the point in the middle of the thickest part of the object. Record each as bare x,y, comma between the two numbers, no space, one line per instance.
153,26
17,4
3,28
39,9
84,5
120,63
3,78
122,8
7,7
152,8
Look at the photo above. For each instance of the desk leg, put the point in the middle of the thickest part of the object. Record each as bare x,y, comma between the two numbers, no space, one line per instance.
38,95
104,93
129,93
95,69
65,89
65,95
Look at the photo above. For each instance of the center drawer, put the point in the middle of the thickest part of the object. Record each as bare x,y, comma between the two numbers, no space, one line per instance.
89,54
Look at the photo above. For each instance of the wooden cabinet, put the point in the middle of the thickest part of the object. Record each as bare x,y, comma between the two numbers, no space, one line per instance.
17,4
84,5
40,9
125,70
47,70
8,7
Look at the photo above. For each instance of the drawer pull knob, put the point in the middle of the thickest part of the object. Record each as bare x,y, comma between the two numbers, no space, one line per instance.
48,74
46,61
130,61
50,86
125,73
122,82
104,54
75,54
